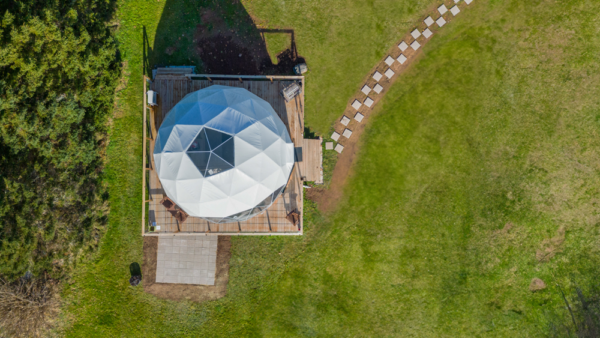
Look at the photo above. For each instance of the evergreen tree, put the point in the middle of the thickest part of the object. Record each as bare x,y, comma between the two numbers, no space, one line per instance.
58,71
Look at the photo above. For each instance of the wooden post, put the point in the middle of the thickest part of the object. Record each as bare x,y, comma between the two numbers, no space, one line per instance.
269,220
152,124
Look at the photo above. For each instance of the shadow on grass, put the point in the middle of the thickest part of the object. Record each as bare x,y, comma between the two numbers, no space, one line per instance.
218,38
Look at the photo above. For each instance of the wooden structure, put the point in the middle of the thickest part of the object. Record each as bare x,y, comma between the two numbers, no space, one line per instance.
311,166
171,88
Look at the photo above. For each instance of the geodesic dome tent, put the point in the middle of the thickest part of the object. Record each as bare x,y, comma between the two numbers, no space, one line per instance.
223,154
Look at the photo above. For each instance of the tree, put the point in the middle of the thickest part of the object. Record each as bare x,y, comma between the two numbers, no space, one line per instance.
59,66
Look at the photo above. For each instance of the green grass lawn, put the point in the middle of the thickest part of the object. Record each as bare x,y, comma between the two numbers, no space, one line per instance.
497,123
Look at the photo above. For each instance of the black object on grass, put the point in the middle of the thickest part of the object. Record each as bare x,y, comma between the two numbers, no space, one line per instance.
136,274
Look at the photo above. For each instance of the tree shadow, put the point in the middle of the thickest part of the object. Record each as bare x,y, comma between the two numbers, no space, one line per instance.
218,38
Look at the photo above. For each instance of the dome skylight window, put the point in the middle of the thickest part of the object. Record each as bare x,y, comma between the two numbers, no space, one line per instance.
212,152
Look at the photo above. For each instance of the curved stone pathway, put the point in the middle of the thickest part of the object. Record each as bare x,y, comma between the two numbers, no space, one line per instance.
351,125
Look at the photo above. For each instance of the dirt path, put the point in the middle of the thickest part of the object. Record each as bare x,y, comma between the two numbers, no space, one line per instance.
328,199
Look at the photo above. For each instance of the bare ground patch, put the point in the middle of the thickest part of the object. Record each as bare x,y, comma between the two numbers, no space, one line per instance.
241,49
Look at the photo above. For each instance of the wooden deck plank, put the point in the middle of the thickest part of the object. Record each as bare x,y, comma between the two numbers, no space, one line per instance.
311,167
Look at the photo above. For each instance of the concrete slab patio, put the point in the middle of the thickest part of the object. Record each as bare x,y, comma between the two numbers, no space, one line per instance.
187,260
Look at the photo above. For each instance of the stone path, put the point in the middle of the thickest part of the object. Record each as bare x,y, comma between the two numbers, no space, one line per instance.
187,260
372,91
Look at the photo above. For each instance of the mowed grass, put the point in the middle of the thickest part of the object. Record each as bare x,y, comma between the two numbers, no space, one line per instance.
341,41
480,156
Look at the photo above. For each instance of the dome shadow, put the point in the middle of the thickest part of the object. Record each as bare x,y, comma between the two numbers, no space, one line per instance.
218,38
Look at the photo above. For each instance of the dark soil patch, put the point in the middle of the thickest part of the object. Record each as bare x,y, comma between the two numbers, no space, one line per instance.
239,50
221,55
194,293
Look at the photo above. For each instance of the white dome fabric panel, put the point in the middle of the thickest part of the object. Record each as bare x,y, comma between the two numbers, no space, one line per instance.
201,136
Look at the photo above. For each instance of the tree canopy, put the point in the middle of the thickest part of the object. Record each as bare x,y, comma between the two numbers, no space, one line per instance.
59,66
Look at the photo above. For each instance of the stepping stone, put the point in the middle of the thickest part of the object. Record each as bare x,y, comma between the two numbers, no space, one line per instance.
359,117
440,22
339,148
468,2
347,133
456,1
377,76
345,120
402,59
378,88
415,45
428,21
328,145
389,60
335,136
368,102
442,9
415,34
403,46
356,104
454,10
427,33
389,73
366,89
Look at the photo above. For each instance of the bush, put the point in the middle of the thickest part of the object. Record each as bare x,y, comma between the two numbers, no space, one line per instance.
58,71
581,316
25,306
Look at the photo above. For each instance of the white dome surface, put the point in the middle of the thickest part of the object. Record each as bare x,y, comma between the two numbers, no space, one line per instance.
223,154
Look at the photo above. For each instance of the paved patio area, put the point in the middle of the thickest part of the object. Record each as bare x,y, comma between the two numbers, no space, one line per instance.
187,260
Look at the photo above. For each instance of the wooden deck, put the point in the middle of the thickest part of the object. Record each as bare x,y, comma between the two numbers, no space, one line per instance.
311,166
171,89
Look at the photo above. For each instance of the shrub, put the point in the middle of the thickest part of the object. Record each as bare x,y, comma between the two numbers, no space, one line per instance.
58,70
25,306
